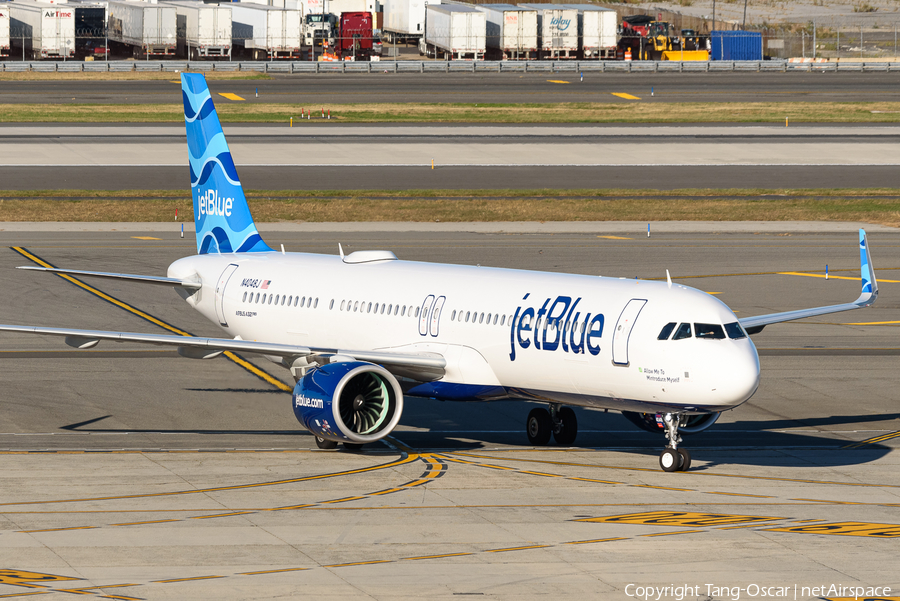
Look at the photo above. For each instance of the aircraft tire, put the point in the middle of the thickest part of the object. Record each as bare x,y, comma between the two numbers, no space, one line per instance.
685,459
539,427
569,431
324,443
670,460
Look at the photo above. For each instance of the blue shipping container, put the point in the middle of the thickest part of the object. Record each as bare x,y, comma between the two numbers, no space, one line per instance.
736,46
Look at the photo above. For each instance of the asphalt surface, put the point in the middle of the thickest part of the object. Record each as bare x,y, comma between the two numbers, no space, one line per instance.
137,473
465,157
318,89
458,178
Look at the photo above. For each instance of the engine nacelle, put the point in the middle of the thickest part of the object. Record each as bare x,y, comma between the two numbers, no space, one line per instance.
354,402
653,422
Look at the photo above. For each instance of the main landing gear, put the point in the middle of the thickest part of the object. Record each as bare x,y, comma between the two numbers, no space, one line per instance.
559,421
673,459
325,444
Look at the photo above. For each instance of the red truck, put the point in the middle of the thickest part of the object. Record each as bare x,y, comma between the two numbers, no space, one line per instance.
355,36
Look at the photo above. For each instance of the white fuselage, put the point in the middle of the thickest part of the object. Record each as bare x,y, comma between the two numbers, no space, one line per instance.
559,338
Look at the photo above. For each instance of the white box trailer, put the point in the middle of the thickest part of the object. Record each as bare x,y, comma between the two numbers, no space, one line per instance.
203,30
455,31
511,31
405,19
39,30
4,30
267,32
558,30
277,3
149,29
596,30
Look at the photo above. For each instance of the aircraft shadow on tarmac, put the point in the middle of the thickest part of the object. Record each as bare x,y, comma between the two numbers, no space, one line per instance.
476,426
83,427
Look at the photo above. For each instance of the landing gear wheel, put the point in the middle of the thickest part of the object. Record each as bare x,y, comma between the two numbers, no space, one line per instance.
352,446
670,460
685,459
324,443
539,427
568,430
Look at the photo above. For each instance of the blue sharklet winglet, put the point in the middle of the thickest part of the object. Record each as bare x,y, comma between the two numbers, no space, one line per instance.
221,214
868,294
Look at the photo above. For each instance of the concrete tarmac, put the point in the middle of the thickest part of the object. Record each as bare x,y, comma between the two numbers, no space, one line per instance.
313,90
129,471
465,157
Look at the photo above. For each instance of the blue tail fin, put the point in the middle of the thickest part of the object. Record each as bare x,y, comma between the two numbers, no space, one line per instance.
221,214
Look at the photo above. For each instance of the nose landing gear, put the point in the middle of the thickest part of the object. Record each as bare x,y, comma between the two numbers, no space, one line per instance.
673,459
560,422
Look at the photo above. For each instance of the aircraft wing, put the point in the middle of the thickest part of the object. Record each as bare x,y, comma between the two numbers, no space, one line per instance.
207,348
144,279
754,325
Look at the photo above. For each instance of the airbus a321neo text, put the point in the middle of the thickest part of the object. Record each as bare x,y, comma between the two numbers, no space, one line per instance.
359,332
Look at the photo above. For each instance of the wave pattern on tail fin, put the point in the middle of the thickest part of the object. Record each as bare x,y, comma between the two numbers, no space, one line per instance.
221,214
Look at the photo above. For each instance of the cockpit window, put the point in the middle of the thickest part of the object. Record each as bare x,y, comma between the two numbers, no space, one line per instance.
666,331
709,330
735,331
683,331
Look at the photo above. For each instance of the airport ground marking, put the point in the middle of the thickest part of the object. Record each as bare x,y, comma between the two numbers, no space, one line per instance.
210,577
391,464
676,474
145,238
875,440
233,357
261,572
435,469
864,529
28,579
625,96
596,540
615,237
557,81
673,533
833,277
230,96
680,518
522,548
843,528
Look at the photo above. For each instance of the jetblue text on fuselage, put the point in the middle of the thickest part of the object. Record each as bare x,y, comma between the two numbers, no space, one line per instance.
560,23
211,204
556,324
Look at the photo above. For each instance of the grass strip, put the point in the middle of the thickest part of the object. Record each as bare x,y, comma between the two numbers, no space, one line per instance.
869,206
573,112
125,76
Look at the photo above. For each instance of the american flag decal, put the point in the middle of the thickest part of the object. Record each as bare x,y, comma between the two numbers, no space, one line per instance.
265,284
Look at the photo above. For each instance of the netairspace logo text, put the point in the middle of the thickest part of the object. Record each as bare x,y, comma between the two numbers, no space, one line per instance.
753,591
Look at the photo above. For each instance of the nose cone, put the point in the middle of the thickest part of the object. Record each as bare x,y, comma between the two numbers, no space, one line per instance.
740,379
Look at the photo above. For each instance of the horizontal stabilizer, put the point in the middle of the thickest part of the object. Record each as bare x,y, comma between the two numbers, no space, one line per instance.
144,279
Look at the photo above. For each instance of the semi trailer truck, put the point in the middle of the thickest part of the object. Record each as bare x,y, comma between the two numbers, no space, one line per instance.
147,30
41,31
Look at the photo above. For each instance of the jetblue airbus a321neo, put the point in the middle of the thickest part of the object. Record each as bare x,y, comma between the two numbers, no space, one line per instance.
379,329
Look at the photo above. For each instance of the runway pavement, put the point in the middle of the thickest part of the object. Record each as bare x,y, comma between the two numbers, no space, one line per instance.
481,87
129,471
467,157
